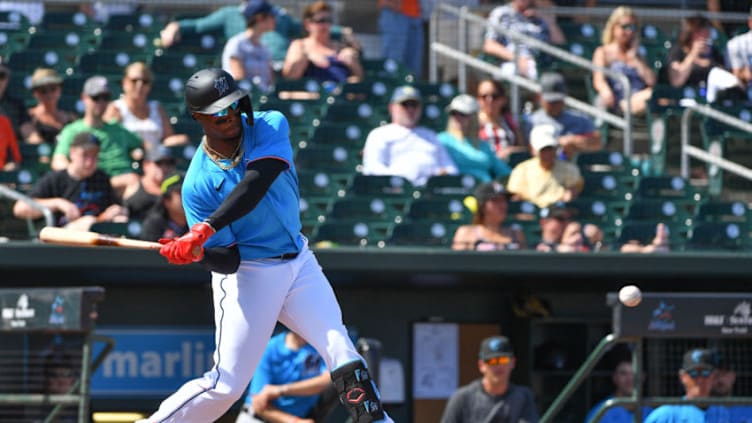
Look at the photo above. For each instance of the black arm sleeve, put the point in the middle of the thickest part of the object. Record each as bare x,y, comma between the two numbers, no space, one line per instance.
259,176
223,260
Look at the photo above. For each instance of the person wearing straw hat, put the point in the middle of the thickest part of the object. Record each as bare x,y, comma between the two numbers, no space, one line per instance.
46,118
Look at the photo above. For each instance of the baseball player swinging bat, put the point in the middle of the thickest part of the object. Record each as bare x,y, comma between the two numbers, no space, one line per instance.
62,236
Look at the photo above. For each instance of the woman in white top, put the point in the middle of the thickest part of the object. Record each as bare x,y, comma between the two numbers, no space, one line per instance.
145,118
244,56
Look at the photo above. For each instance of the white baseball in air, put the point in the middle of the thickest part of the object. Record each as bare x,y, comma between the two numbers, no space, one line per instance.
630,295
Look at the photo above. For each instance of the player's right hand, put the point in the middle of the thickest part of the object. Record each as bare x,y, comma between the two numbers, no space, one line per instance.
189,247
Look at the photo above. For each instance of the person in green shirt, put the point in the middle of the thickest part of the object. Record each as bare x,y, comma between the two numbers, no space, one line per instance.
120,148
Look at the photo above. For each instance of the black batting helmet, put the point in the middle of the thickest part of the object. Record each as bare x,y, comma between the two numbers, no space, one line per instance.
210,90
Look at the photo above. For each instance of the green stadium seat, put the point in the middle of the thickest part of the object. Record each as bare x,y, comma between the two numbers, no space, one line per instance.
374,92
284,88
313,182
522,211
383,185
669,188
434,117
720,211
133,22
435,92
596,211
205,43
339,133
449,209
131,229
582,32
314,208
365,114
367,208
126,41
181,64
67,21
386,69
25,61
337,159
518,157
718,237
355,233
109,63
14,21
607,188
652,35
664,210
423,234
20,179
439,185
69,42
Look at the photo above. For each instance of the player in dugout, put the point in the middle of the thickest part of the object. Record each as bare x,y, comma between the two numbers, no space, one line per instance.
240,195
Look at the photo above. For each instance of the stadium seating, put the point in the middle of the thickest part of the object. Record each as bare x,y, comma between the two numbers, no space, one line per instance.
424,233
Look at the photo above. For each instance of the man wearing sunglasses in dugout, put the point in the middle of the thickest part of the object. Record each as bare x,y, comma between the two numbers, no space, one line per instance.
696,375
492,398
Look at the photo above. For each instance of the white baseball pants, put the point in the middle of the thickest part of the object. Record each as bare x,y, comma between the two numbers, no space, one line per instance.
247,305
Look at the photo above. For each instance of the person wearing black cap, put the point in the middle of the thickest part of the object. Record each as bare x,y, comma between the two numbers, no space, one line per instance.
140,198
78,195
244,56
696,375
166,218
492,398
487,232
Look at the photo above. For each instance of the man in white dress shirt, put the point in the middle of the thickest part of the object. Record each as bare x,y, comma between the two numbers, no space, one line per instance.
403,148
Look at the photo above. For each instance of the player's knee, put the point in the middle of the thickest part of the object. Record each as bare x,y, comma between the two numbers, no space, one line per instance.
357,392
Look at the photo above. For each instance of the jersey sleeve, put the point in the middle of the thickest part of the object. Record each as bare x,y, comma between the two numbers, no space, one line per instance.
200,199
271,138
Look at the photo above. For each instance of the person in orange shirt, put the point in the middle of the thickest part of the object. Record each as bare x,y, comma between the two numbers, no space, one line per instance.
402,33
8,141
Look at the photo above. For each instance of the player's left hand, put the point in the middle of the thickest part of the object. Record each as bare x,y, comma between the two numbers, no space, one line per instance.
189,247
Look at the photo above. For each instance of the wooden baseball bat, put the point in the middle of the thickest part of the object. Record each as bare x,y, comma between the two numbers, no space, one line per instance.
71,237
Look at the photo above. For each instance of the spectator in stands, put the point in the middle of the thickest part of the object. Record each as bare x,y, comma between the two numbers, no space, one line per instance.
660,243
497,126
576,132
230,20
544,179
8,141
143,117
553,220
739,54
487,231
401,31
319,56
471,156
244,56
119,147
522,17
78,195
13,107
623,380
492,397
619,54
140,198
573,239
693,55
723,386
33,10
404,148
166,219
46,118
291,384
696,375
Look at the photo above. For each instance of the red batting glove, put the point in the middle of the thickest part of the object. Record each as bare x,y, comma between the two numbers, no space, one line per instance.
189,247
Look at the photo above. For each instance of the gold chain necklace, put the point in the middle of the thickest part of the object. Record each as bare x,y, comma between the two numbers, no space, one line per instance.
217,158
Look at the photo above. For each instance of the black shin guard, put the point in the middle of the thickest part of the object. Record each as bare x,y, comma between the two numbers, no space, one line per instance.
357,392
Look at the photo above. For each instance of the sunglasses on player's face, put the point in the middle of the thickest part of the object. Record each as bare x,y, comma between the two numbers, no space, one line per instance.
224,112
695,373
501,360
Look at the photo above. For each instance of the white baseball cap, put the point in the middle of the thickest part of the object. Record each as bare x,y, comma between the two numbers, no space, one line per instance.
464,104
543,136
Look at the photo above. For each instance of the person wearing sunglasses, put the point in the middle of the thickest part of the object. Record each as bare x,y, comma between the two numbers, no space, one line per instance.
319,56
241,200
119,147
723,385
46,118
140,115
403,147
497,125
619,54
696,375
492,397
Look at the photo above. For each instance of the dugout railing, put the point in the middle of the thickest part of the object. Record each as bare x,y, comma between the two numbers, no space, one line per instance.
31,318
682,315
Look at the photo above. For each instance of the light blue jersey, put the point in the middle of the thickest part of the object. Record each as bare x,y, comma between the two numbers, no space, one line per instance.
689,414
617,414
273,227
279,366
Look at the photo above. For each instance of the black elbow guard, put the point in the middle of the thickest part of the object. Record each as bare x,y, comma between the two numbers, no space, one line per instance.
223,260
357,392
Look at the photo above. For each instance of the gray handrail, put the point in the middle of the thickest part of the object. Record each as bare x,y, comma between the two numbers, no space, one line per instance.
700,154
553,51
15,195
